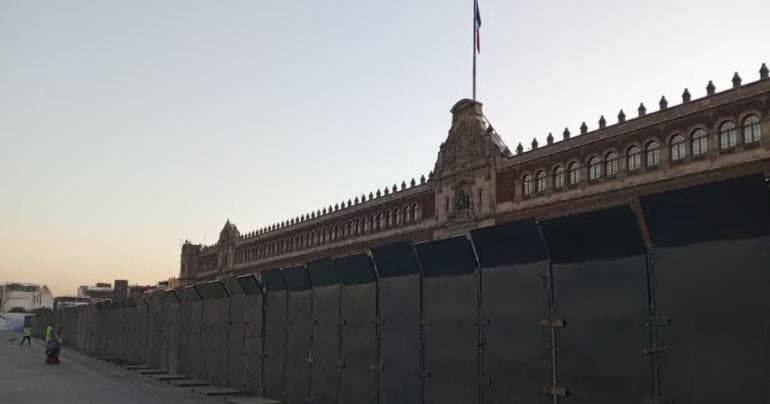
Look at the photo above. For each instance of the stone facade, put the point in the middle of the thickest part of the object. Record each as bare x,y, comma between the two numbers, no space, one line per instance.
477,181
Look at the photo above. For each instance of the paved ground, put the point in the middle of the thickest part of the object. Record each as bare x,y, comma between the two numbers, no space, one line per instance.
24,379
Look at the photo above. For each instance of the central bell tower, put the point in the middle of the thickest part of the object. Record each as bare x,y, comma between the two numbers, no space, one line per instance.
464,174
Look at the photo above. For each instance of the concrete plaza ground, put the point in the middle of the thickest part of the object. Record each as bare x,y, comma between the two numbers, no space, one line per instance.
24,379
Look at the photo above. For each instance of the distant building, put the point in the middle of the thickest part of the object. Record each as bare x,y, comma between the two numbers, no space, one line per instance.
477,181
26,296
104,291
62,302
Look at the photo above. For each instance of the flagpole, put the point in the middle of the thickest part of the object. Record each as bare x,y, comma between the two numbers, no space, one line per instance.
474,49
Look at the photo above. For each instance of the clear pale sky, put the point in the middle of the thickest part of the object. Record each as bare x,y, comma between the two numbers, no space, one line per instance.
127,126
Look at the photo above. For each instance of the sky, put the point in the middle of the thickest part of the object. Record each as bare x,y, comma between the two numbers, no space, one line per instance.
129,126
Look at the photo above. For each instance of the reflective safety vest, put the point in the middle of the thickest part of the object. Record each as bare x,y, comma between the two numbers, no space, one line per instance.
49,332
27,332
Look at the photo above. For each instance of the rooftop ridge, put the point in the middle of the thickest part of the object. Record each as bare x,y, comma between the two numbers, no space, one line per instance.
383,195
642,120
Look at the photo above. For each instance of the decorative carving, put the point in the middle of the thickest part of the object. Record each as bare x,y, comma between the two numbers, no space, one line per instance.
471,140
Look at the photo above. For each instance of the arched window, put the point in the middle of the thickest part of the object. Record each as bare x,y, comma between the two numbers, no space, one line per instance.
652,157
574,173
417,208
380,221
633,158
558,177
594,168
527,184
541,184
610,164
405,213
699,142
728,136
397,215
751,130
678,150
410,214
389,219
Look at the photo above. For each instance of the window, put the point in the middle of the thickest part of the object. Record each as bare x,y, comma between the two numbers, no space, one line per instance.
728,136
633,158
610,164
417,208
528,185
558,177
678,151
751,130
397,215
653,154
389,219
481,198
699,142
574,173
594,168
542,182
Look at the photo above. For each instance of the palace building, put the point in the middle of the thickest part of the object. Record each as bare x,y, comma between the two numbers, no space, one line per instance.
478,181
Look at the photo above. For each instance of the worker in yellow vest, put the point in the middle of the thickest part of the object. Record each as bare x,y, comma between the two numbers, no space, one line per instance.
27,336
49,333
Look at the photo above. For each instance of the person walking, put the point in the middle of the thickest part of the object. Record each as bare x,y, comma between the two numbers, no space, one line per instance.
27,336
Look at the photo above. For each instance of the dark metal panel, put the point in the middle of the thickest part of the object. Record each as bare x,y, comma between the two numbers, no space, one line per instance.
601,349
216,307
400,377
299,335
324,382
253,344
716,295
451,356
515,298
604,234
236,343
162,330
732,209
140,333
252,334
276,327
358,315
221,341
600,291
187,322
173,330
236,350
197,352
516,350
155,344
450,307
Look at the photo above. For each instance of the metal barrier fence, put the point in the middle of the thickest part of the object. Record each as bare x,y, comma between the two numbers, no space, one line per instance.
662,300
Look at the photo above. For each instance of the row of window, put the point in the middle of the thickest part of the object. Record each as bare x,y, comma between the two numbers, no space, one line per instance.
678,149
392,218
